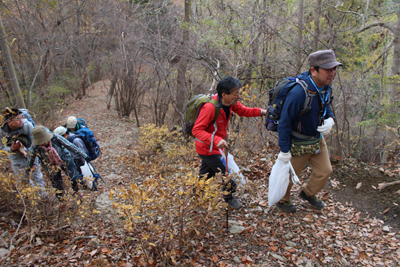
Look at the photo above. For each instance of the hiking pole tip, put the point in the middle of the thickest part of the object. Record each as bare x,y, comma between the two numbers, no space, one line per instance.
227,220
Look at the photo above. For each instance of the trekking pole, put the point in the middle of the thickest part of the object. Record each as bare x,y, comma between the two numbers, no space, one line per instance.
227,220
225,153
226,159
227,171
90,165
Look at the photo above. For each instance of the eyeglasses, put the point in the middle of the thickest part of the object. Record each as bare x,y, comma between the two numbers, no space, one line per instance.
18,118
238,93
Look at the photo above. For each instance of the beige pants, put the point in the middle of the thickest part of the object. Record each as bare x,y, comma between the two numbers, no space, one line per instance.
322,169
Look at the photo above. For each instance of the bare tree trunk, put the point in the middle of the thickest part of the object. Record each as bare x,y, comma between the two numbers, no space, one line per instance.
10,67
394,87
316,22
255,31
300,37
97,71
82,85
111,91
4,95
46,70
394,92
7,87
182,67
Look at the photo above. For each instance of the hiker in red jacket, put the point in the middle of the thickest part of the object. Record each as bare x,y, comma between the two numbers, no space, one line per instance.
210,137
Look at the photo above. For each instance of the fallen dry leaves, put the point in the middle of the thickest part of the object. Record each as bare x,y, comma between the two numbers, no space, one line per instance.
336,236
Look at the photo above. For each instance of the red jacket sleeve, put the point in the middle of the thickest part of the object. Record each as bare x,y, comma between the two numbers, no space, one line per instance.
244,111
203,122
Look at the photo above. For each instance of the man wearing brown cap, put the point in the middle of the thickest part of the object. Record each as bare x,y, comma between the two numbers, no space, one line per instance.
301,137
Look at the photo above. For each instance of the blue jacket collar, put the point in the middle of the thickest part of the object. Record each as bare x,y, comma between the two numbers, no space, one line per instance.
306,76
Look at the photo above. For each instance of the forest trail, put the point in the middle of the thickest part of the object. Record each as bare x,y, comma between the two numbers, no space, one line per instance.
114,134
339,235
117,136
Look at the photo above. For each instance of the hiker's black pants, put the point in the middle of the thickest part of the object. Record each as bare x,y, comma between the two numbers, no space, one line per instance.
56,177
57,182
210,165
79,163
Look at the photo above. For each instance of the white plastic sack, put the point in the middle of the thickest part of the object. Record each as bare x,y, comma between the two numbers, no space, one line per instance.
87,172
278,182
233,168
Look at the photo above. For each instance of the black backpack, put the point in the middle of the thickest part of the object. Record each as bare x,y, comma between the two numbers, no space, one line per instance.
277,97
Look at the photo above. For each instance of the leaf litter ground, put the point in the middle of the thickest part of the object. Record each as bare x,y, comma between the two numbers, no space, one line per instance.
358,227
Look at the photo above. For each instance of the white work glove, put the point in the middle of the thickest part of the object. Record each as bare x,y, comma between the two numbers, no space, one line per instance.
326,127
285,157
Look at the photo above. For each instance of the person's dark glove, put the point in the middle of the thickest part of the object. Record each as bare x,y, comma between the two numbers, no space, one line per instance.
87,159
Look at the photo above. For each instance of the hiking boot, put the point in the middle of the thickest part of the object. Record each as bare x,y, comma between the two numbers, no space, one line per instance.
286,206
314,201
233,203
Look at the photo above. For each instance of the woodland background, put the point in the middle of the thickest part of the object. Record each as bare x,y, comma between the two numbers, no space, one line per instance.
129,68
160,53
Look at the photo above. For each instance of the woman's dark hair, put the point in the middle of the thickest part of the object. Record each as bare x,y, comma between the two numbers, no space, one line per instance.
226,85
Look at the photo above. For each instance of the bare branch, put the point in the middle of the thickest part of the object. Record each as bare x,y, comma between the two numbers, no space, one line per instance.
378,24
374,65
350,12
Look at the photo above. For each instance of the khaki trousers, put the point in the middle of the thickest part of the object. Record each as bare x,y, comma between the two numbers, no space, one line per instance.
321,167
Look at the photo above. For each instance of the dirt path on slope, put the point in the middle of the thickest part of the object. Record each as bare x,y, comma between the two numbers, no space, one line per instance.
115,135
336,236
353,184
356,184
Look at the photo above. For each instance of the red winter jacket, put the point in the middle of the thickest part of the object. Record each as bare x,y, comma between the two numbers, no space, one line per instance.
203,130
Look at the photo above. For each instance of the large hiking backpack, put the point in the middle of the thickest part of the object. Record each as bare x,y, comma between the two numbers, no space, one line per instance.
26,115
277,97
81,122
192,111
90,141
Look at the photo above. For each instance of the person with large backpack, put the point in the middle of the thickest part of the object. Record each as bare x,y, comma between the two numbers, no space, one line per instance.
18,134
77,141
79,129
54,151
73,124
210,134
301,135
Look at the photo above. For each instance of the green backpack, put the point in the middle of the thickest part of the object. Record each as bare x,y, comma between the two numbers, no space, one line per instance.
192,111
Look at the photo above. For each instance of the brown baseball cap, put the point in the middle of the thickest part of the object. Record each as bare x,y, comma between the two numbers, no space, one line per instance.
325,59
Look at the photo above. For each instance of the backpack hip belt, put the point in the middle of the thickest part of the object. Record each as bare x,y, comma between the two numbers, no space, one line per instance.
302,136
